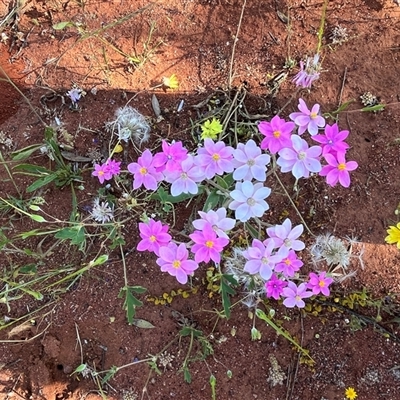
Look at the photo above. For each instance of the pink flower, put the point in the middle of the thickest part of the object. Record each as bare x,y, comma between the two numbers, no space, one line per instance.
214,158
277,134
217,220
144,172
295,295
171,156
113,167
274,287
306,119
185,178
284,235
207,245
154,235
249,162
299,158
333,140
309,72
338,169
102,173
174,260
319,283
261,259
289,265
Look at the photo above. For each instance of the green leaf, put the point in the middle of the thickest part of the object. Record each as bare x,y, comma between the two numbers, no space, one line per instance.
24,153
186,374
37,218
99,260
138,289
226,290
76,234
141,323
130,303
212,201
79,368
41,182
253,232
34,207
111,372
62,25
36,170
377,107
29,269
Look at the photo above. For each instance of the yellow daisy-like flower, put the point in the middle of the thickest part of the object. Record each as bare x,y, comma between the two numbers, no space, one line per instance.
393,235
350,393
172,82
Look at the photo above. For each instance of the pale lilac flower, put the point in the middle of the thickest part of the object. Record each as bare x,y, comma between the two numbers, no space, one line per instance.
289,265
185,179
174,260
319,283
102,173
207,245
295,295
218,221
277,134
306,119
249,163
309,72
154,235
333,140
144,172
274,287
338,169
261,259
300,159
248,200
215,158
75,95
284,235
171,156
113,167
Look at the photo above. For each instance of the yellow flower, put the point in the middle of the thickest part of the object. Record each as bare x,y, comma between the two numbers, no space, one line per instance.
211,129
394,235
350,393
171,82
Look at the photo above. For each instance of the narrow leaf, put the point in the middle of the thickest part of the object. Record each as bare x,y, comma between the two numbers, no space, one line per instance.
141,323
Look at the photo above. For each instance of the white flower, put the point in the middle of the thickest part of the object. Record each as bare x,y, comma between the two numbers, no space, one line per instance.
101,212
129,124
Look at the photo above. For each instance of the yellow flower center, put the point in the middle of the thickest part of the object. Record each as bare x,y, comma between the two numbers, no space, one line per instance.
143,170
341,166
321,283
277,134
209,244
216,157
152,238
287,261
101,173
313,115
176,264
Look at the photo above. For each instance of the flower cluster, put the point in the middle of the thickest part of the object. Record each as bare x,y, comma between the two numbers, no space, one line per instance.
243,171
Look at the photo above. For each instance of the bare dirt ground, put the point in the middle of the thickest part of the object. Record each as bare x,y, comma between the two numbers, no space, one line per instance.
195,40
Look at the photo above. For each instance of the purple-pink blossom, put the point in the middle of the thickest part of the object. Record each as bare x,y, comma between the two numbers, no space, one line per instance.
174,260
284,235
248,200
262,259
319,283
274,287
207,245
289,265
102,173
218,221
185,178
249,163
333,140
294,295
113,167
214,158
309,72
171,156
154,235
277,134
338,169
144,172
308,119
299,158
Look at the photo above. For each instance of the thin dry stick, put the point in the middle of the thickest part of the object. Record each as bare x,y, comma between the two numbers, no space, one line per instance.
342,88
234,45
